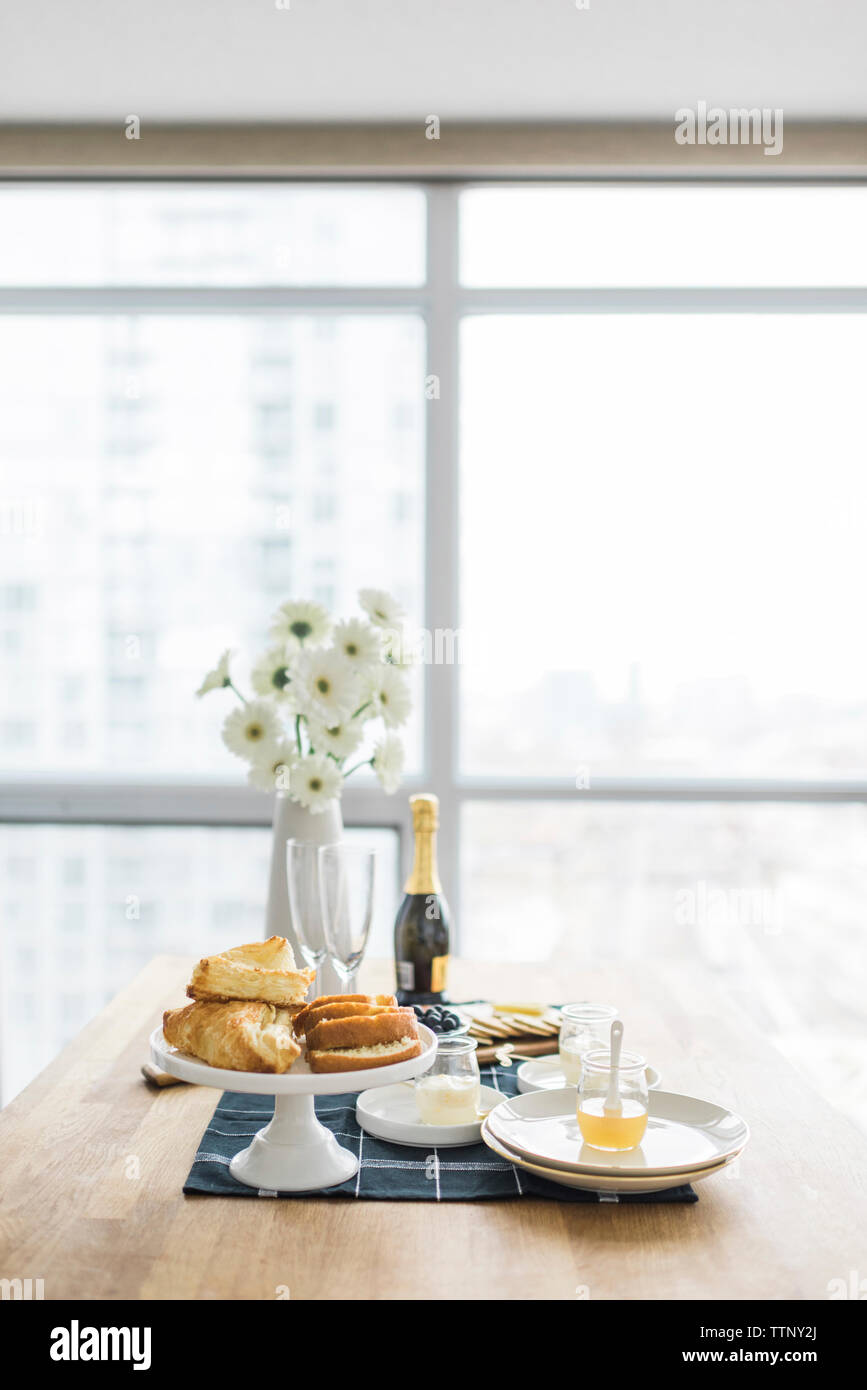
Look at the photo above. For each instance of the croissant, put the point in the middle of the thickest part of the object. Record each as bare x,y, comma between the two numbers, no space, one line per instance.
263,970
240,1035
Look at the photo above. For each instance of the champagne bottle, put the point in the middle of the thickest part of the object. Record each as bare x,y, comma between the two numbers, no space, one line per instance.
421,928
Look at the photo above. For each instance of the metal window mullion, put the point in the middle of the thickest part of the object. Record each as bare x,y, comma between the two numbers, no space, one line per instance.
163,803
441,531
165,299
665,300
660,789
95,802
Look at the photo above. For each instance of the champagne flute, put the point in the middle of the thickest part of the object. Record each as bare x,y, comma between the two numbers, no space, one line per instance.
302,877
346,880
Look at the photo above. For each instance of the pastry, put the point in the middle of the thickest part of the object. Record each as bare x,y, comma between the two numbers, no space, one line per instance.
326,1000
241,1035
352,1044
263,970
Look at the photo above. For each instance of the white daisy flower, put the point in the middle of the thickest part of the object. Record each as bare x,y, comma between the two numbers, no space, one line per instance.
390,696
359,643
218,678
301,623
340,740
254,726
315,780
381,608
271,768
326,689
270,675
387,762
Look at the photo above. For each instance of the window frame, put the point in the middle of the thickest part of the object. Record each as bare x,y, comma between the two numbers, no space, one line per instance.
442,303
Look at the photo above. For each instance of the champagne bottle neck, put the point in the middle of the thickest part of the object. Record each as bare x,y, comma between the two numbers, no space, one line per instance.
423,876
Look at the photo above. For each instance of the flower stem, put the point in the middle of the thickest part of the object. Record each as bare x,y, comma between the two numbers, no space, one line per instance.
298,731
364,763
232,686
360,710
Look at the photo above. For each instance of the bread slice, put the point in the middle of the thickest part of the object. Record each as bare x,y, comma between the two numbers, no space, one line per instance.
360,1058
334,1001
262,970
329,1011
241,1036
360,1031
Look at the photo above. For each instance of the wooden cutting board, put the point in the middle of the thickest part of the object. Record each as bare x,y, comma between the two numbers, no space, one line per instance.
488,1054
498,1026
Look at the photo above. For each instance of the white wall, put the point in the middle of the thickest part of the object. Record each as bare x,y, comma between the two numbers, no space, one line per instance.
404,59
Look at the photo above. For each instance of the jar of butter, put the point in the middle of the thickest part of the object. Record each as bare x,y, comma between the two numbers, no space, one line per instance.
450,1093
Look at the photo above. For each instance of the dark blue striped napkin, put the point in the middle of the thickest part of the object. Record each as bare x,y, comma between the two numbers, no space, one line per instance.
387,1171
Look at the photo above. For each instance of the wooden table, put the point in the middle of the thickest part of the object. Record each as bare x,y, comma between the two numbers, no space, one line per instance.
93,1161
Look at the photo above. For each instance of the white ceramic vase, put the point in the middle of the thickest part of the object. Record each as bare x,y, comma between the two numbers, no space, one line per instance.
294,822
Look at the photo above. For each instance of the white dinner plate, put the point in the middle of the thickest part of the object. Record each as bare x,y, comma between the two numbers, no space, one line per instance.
596,1182
390,1112
545,1074
683,1134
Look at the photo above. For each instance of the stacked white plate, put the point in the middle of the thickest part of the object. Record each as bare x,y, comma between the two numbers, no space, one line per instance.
546,1074
686,1141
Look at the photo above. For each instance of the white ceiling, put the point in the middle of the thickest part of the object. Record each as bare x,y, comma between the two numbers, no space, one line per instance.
242,60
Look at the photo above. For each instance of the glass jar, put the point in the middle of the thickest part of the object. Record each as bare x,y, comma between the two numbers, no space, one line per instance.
450,1093
617,1130
582,1028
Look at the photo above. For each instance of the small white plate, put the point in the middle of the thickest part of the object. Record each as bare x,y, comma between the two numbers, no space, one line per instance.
545,1074
390,1112
595,1182
683,1135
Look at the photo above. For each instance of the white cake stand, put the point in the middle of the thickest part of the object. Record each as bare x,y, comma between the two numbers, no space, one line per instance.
294,1152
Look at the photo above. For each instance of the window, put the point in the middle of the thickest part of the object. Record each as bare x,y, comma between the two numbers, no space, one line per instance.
108,898
690,568
602,440
135,587
211,234
657,235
